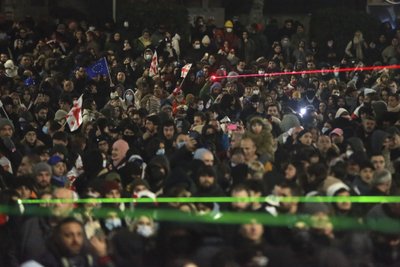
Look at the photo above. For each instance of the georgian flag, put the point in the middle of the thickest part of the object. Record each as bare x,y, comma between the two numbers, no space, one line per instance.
154,65
185,70
74,116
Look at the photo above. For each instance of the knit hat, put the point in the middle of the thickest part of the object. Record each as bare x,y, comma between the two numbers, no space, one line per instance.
289,121
334,188
340,112
41,167
198,154
215,85
53,160
381,177
4,122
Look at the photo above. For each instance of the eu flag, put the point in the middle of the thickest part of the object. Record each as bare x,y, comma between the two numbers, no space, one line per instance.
98,68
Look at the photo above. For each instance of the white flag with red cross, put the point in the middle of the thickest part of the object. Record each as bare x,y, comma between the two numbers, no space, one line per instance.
154,65
74,117
185,70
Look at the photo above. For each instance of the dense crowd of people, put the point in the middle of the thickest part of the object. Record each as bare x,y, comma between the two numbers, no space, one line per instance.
151,130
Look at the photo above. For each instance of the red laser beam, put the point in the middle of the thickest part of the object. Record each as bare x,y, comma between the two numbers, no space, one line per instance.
214,77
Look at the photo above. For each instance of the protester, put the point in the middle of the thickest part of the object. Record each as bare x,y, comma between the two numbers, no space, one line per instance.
88,113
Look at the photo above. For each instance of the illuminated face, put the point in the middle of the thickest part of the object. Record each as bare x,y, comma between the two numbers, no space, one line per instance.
379,162
169,132
6,131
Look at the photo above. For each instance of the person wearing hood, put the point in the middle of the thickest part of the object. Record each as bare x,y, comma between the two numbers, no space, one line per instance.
157,172
128,99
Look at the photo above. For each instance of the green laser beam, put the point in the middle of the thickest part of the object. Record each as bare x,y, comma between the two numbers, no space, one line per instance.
223,217
313,199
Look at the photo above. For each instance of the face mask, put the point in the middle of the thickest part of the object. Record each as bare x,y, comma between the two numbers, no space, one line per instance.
261,72
349,153
211,62
330,43
324,130
197,46
240,69
256,92
129,98
229,29
260,83
112,223
200,107
147,57
126,24
180,144
145,230
45,130
160,152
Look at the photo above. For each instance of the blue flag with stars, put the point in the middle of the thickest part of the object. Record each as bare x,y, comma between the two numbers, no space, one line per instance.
98,68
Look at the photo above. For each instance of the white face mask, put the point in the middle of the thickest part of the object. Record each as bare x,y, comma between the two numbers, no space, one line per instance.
200,107
349,153
112,223
129,97
197,46
160,151
147,57
324,130
229,29
145,230
256,92
180,144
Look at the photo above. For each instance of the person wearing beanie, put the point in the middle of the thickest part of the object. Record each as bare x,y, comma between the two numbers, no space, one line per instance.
30,140
59,170
42,178
205,155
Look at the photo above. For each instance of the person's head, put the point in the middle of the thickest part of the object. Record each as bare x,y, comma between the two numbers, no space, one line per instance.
199,118
152,122
42,175
6,128
63,208
205,155
119,149
273,110
249,148
206,177
336,136
382,180
393,101
366,172
58,166
305,137
324,143
169,129
144,226
240,190
69,236
252,231
369,124
286,189
378,161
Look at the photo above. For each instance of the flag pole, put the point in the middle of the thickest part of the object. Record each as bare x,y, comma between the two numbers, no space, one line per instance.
108,71
5,112
180,85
